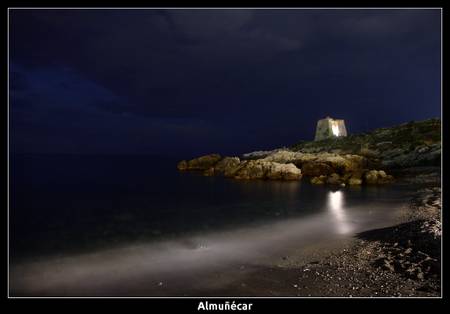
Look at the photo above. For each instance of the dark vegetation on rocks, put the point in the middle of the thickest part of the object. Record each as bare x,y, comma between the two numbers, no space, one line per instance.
405,145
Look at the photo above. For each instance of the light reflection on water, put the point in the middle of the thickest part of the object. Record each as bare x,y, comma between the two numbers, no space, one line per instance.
337,209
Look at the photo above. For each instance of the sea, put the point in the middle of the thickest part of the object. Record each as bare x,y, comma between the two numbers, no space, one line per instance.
64,206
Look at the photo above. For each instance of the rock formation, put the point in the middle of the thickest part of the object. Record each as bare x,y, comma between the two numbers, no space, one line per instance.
244,170
352,160
329,168
258,169
200,163
227,164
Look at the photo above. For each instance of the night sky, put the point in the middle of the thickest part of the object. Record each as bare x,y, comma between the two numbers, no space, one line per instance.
189,82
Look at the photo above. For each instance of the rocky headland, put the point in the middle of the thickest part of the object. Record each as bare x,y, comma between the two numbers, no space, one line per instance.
368,158
402,260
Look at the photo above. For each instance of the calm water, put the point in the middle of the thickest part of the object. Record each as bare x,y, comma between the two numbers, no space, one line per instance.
61,203
119,218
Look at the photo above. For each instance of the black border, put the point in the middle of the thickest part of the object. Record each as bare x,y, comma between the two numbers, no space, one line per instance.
272,305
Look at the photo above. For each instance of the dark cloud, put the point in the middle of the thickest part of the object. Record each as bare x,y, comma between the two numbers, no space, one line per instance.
228,80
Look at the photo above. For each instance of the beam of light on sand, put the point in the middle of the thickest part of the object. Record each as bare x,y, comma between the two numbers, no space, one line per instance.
139,268
105,270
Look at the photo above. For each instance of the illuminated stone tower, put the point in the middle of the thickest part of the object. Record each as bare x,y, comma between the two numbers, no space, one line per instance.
330,128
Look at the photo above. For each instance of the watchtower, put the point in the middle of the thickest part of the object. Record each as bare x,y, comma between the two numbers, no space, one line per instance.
330,128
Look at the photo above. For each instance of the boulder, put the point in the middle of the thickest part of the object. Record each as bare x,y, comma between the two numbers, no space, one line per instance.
278,171
354,178
258,169
357,175
283,156
354,181
334,178
182,165
203,162
377,177
231,171
253,169
209,172
315,169
318,180
345,177
321,161
387,179
227,164
371,177
354,163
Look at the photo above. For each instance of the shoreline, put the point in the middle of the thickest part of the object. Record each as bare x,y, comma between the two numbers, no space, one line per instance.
368,264
403,260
